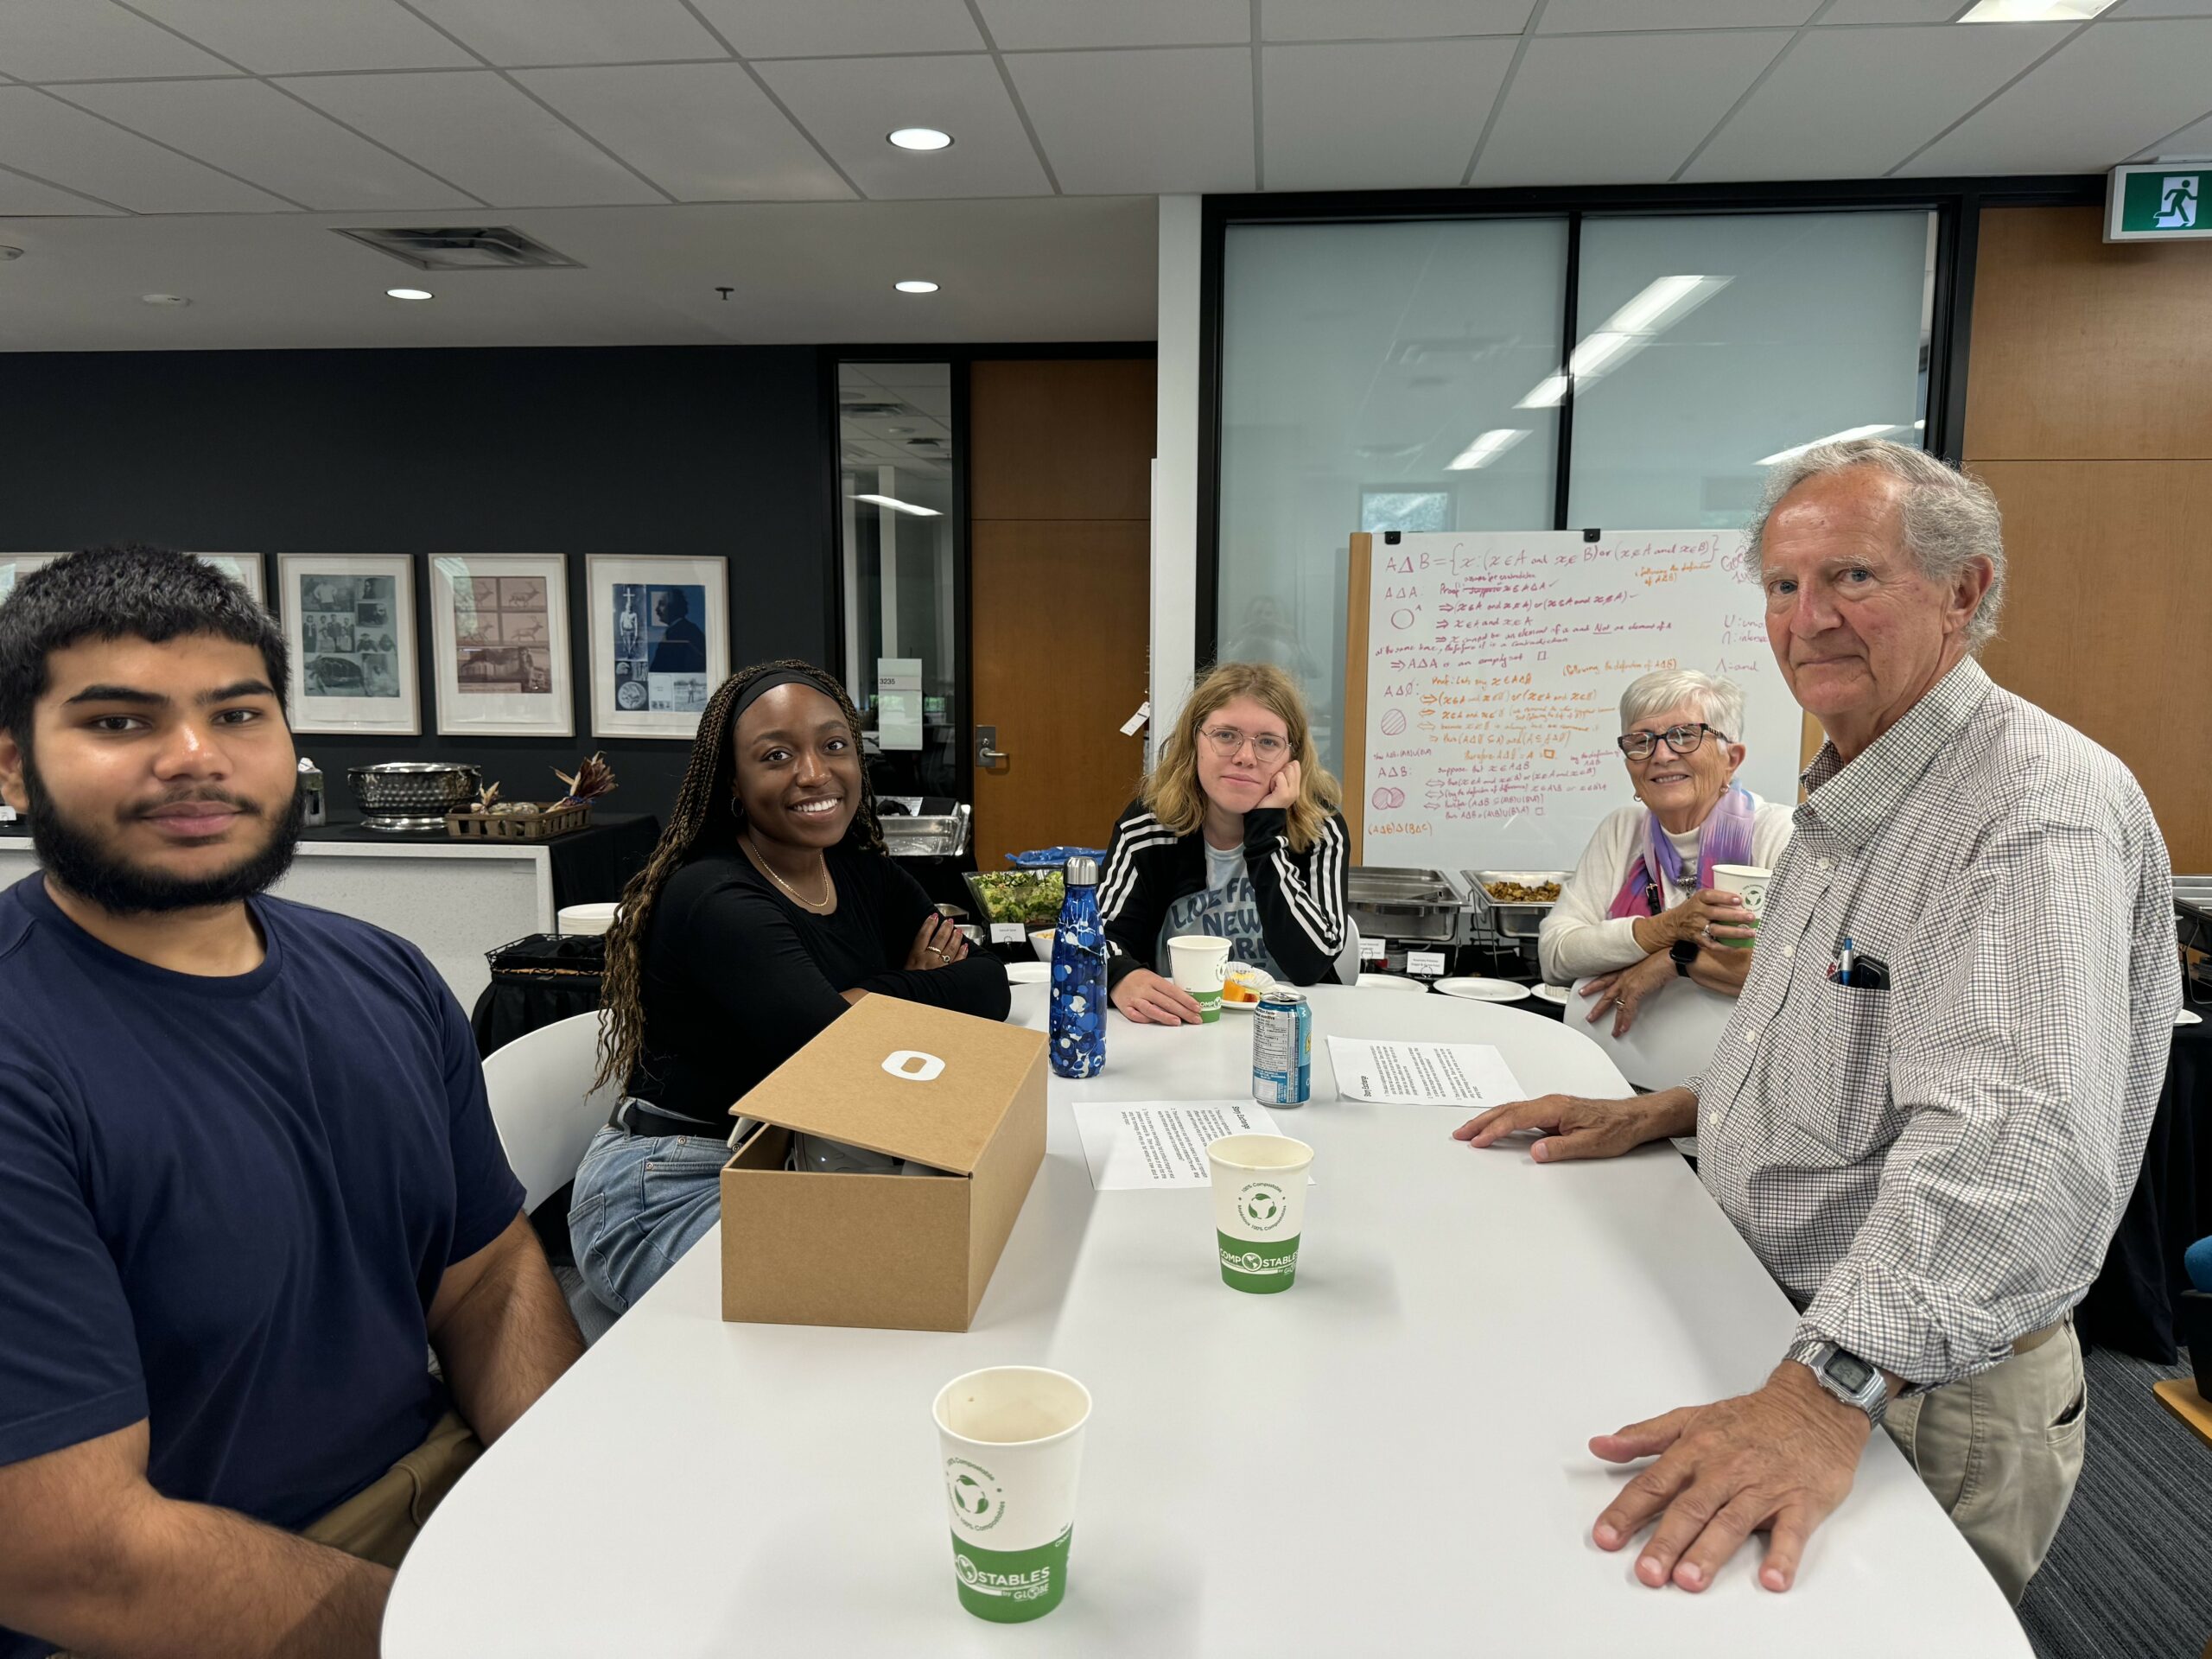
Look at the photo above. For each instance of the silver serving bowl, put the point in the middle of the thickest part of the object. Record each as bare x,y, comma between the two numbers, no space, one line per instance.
404,795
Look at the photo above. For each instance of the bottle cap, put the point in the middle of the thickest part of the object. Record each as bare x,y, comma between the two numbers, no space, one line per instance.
1083,871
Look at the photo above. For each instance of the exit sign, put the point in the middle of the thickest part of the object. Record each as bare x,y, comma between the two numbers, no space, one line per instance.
2160,202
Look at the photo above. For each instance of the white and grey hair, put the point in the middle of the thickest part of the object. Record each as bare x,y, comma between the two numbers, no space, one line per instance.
1719,702
1949,520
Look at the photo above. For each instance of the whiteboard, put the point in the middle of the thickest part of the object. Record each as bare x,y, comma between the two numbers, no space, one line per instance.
1492,664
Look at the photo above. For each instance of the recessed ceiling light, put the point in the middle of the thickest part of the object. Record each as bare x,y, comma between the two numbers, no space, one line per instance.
410,293
915,287
921,138
897,505
1484,450
2034,11
164,299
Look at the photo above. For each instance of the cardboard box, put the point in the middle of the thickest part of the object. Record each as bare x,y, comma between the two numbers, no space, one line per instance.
913,1253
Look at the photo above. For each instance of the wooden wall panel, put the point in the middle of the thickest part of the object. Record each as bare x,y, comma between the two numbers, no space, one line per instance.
2109,618
1061,438
2086,352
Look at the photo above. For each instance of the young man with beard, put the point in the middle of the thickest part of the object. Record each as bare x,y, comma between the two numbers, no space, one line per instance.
246,1168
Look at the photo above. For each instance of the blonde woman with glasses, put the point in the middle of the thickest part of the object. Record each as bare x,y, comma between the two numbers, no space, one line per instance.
1235,835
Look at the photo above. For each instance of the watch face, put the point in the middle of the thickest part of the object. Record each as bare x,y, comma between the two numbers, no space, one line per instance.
1850,1370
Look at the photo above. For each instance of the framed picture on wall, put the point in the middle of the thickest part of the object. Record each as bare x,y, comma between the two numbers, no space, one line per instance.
13,566
499,644
244,568
350,618
659,642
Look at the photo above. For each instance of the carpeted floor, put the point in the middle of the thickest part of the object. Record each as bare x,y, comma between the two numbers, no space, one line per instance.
2130,1576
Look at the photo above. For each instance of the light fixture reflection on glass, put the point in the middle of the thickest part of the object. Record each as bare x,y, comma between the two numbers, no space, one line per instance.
897,505
409,293
921,138
1659,306
1484,450
916,286
1844,436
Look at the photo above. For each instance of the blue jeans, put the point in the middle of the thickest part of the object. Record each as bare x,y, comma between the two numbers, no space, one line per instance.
640,1202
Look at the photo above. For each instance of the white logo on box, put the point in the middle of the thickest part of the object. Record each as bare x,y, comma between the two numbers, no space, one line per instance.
914,1067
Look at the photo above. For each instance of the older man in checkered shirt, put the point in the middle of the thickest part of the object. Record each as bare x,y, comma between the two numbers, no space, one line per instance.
1929,1106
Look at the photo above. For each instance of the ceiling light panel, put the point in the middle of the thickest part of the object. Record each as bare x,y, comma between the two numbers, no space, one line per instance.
2034,11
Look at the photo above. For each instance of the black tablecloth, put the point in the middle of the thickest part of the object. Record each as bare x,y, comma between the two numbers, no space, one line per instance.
2131,1306
539,980
591,866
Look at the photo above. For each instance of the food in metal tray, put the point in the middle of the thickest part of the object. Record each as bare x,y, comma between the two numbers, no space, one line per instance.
1519,893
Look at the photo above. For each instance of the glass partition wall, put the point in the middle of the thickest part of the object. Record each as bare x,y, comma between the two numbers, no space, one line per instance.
1415,375
900,547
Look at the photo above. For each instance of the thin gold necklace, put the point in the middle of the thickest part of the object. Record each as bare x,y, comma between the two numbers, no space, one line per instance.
828,889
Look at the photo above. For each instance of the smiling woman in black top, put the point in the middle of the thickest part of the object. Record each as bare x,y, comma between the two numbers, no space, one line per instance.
769,907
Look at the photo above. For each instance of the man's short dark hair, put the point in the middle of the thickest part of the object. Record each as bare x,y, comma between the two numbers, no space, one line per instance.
121,592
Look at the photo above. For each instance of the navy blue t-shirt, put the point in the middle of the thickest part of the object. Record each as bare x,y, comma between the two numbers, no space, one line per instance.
226,1203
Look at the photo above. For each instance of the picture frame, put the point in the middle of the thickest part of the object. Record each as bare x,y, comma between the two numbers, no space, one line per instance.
15,566
244,568
659,642
337,684
500,644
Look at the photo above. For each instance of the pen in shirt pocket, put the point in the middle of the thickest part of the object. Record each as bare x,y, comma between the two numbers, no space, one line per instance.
1840,969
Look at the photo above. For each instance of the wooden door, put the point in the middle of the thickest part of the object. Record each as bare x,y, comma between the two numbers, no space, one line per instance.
1059,571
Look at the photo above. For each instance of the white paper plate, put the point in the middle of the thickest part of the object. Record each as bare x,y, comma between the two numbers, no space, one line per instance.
1483,990
2189,1017
1391,982
1029,973
1265,982
1558,995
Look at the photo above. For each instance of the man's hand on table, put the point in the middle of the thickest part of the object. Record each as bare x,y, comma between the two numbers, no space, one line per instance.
1571,1127
1624,990
1780,1458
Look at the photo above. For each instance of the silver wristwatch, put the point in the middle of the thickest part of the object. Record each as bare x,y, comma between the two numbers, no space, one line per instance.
1846,1377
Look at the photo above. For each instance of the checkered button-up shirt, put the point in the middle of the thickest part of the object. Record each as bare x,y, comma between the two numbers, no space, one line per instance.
1934,1170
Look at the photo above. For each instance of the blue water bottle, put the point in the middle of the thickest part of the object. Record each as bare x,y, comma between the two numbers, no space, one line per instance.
1078,1027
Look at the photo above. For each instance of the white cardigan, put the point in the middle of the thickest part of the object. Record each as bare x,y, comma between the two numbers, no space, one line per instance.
1578,940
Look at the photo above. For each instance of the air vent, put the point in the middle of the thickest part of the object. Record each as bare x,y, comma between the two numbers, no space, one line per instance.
872,412
493,247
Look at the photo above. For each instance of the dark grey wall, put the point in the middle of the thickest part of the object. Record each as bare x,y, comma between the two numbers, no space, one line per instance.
678,450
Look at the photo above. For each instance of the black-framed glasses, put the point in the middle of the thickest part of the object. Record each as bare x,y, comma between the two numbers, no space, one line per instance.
1227,740
1682,739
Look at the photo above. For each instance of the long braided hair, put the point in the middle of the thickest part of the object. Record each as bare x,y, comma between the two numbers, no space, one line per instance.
705,816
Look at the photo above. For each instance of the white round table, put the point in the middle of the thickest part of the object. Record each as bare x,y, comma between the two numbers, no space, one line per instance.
1463,1321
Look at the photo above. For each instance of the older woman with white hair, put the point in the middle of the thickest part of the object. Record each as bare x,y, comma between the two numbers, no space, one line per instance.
1641,909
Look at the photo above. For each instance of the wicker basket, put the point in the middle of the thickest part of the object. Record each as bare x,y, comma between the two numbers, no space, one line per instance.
542,825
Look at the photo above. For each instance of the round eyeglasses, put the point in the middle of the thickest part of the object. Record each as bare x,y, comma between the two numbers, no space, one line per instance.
1637,746
1227,740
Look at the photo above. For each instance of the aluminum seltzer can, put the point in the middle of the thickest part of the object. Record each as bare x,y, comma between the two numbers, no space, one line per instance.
1282,1049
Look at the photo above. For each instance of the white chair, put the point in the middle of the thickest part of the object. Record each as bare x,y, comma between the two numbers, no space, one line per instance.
1671,1042
546,1112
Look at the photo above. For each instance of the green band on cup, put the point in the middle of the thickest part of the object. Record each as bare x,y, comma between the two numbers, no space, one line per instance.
1208,1006
1261,1268
1009,1586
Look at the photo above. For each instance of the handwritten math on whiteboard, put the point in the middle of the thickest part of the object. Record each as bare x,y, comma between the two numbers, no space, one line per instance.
1494,665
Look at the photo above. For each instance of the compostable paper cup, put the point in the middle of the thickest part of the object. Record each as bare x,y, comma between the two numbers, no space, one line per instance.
1011,1439
1748,882
1259,1208
1197,962
572,919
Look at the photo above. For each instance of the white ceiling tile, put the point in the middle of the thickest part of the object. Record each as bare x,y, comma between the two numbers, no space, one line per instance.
1389,20
249,128
1585,17
1026,25
810,28
1142,123
702,131
2194,139
484,135
1400,115
89,40
1852,103
1582,109
849,104
290,37
44,135
22,198
2109,90
1892,11
574,31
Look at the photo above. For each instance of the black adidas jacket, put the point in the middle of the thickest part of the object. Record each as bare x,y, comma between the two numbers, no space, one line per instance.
1301,896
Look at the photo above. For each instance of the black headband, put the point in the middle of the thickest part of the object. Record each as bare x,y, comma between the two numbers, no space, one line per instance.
807,677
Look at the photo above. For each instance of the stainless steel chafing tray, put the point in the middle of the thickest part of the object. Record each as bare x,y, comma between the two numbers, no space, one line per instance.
1408,904
1514,919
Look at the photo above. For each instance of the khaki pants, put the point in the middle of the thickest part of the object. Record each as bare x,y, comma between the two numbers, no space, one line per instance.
380,1522
2001,1452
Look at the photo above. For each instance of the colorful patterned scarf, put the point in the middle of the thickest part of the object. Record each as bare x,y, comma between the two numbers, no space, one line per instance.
1724,837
